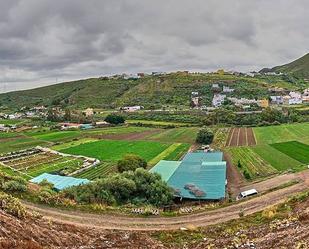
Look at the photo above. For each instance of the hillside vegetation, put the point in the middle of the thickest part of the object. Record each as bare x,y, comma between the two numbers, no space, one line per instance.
298,68
151,91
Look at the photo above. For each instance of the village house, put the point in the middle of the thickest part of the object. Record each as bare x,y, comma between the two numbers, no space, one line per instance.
294,98
88,112
227,89
277,100
264,103
242,101
218,100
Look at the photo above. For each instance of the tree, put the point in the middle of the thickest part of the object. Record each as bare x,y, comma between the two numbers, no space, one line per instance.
114,119
131,162
204,136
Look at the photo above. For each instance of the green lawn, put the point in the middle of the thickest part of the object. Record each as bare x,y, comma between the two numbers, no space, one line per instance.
177,135
250,161
282,133
114,150
277,159
294,149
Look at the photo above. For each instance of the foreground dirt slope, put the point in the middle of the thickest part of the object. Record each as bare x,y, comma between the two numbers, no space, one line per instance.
35,233
290,231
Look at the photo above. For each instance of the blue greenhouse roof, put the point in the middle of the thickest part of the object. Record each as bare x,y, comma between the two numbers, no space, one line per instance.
60,182
200,175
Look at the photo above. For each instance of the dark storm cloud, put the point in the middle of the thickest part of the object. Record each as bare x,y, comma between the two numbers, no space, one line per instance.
41,40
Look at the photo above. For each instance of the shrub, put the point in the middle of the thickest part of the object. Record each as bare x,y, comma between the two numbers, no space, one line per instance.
131,162
14,186
12,206
114,119
247,175
205,136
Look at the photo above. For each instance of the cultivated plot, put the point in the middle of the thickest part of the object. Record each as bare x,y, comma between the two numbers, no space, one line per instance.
241,137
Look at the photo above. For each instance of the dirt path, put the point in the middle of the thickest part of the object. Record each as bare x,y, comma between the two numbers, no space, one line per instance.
234,178
204,218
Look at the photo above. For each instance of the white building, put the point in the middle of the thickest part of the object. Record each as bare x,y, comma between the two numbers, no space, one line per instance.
132,108
227,89
276,100
218,100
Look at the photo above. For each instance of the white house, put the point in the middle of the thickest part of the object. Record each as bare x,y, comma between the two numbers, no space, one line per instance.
218,100
132,108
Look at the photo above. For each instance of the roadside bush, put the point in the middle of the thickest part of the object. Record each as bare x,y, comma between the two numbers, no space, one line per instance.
247,175
114,119
131,162
205,136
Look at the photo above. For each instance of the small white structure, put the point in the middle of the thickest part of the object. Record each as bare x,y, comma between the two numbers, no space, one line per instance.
132,108
227,89
218,100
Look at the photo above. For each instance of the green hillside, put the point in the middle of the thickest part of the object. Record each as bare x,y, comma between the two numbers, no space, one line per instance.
298,68
173,89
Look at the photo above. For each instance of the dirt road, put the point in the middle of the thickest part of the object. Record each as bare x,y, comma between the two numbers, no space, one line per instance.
204,218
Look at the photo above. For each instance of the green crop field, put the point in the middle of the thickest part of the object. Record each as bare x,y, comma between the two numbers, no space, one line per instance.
178,153
251,162
282,133
113,150
19,143
277,159
177,135
54,136
73,143
294,149
116,130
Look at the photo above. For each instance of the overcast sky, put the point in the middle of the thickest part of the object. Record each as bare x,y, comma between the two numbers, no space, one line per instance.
45,41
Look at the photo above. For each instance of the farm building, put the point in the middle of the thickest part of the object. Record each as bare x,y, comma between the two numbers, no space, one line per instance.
200,175
59,182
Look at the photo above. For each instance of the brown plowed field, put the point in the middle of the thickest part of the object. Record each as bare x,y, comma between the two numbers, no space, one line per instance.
241,137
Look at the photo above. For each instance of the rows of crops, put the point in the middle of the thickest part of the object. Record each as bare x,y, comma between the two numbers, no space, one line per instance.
251,162
95,172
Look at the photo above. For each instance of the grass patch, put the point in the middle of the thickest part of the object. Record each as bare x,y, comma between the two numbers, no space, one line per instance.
55,136
164,154
282,133
294,149
277,159
178,152
114,150
73,143
177,135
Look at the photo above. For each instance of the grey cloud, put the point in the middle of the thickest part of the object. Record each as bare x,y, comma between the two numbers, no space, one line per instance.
41,40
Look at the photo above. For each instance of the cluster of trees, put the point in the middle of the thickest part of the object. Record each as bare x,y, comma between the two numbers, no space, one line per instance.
55,115
12,183
115,119
269,116
204,136
139,186
131,162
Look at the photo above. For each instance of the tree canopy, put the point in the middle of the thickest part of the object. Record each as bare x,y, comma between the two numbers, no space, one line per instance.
131,162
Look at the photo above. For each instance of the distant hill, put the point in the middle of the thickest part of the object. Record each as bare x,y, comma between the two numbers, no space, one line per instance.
298,68
173,89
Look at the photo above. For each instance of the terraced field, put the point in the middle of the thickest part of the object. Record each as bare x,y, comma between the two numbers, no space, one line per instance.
251,162
95,172
177,135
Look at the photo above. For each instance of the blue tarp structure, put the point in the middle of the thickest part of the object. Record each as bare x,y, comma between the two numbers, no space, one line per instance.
200,175
60,182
